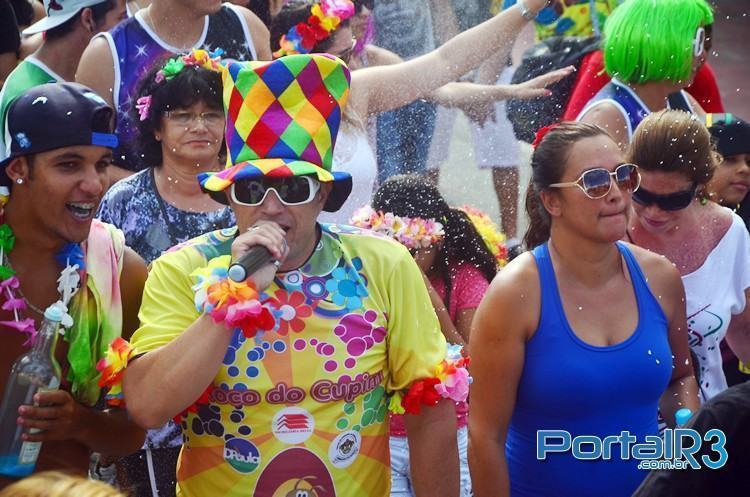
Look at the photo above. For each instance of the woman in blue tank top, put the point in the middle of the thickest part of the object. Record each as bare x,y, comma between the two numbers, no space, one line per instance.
584,334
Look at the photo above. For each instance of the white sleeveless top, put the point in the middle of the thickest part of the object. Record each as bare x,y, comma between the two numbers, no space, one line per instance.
715,292
354,155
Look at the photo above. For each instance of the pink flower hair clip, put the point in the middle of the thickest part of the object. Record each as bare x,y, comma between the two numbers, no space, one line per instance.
143,105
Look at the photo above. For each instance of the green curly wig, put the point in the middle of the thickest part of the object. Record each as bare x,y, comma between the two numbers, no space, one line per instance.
652,40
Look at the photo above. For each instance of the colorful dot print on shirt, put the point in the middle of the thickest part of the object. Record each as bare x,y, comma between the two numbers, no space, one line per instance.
571,17
302,407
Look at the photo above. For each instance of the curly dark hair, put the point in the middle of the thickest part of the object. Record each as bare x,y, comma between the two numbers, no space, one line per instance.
192,85
293,13
410,195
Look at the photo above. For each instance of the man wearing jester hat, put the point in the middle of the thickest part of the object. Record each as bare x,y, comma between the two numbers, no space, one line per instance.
53,250
284,382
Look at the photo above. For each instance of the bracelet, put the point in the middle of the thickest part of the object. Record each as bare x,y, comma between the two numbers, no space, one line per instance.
525,12
237,305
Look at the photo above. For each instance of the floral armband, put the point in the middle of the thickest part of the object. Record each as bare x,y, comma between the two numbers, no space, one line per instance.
112,368
237,305
451,381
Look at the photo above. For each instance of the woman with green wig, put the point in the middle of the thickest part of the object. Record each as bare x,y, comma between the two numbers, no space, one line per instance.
652,50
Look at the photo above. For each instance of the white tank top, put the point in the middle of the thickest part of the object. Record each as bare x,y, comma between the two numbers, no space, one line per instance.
354,155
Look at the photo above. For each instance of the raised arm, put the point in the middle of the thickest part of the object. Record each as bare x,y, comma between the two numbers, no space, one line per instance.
502,324
388,87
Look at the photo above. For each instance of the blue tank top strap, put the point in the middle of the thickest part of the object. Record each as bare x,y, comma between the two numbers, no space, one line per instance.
640,286
547,282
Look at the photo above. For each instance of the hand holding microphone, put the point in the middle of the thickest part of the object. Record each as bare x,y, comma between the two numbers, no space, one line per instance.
258,253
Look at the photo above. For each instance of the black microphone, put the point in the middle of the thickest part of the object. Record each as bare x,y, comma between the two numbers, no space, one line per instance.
255,258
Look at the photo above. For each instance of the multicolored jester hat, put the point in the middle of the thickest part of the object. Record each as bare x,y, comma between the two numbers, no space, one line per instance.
282,120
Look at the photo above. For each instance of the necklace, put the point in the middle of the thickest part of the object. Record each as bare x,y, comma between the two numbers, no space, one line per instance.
70,257
6,261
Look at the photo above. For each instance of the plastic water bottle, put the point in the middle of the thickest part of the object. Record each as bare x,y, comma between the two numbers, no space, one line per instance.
682,416
36,370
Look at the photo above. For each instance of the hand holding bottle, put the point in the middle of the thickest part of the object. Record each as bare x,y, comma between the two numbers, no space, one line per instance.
54,416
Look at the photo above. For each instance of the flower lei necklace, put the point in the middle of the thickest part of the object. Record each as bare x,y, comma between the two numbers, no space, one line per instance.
71,257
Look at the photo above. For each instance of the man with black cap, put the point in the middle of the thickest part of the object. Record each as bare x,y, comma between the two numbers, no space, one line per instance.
68,28
53,180
295,369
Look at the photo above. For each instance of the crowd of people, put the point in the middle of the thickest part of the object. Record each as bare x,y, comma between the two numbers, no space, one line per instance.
378,340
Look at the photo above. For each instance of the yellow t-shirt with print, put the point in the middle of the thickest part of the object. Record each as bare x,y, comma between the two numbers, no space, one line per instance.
567,17
303,407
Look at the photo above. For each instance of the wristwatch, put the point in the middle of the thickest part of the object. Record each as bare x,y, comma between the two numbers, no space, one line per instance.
525,12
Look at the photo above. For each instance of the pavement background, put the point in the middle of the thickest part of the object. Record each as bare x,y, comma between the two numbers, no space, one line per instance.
463,183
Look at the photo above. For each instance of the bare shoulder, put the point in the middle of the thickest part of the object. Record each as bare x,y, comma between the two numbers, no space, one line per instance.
97,48
662,276
514,296
717,217
96,68
608,116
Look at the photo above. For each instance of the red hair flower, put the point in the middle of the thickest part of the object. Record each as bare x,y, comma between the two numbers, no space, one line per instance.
542,133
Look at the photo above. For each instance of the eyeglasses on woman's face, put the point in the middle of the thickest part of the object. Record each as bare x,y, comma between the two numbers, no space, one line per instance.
597,182
186,118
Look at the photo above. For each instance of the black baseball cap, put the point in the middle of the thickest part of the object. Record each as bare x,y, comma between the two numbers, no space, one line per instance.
56,115
731,134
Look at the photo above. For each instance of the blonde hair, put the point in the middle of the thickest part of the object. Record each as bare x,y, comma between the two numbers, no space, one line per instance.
57,484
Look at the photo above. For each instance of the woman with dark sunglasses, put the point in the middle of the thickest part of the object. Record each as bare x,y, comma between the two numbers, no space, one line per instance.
707,243
584,334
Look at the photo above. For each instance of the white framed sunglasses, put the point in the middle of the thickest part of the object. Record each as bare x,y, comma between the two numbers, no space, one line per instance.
290,190
597,182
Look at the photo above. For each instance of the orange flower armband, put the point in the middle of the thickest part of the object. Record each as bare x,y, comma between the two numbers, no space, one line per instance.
451,381
112,368
237,305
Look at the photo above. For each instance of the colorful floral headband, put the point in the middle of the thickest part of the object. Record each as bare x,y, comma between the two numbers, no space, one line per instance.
413,233
324,18
491,235
173,67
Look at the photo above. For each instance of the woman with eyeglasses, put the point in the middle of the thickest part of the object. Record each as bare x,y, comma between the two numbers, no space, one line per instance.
652,51
584,334
180,118
389,83
707,243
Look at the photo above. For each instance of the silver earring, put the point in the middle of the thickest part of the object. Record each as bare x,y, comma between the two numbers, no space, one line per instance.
19,181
